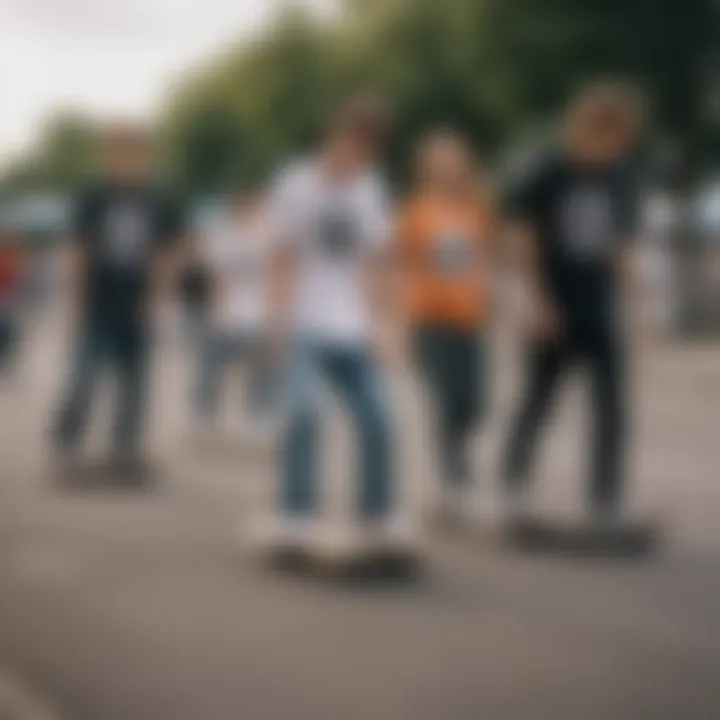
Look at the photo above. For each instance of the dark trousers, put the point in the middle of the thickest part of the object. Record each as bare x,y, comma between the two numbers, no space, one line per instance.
124,350
8,339
598,352
453,363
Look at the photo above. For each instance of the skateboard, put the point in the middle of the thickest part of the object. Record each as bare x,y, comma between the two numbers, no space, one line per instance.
107,474
628,539
336,559
368,564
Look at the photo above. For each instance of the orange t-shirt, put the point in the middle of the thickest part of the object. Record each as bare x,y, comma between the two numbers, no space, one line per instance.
444,249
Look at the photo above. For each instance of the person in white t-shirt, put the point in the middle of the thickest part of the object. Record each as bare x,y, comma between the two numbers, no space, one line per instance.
236,253
331,313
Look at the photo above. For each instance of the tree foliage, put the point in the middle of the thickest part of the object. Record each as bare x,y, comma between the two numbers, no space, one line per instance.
64,154
492,67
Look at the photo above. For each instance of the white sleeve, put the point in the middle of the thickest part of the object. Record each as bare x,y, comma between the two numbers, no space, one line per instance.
378,221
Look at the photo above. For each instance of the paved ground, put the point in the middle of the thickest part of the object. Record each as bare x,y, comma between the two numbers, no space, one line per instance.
139,608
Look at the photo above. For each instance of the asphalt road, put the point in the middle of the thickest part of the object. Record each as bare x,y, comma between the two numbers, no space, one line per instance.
122,607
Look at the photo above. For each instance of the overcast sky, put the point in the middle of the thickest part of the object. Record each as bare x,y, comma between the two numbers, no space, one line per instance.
108,56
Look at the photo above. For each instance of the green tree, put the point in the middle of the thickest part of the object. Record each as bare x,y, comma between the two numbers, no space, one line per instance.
252,106
63,157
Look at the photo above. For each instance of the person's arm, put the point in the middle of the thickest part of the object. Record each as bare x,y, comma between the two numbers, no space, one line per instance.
525,240
76,257
624,268
625,258
383,280
76,278
171,255
488,253
628,222
218,280
545,319
383,287
282,268
167,269
282,276
401,260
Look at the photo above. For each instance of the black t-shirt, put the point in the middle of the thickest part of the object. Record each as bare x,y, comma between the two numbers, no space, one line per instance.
122,228
581,216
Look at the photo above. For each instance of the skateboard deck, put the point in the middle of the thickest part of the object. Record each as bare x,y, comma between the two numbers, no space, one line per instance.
370,564
634,538
106,474
343,563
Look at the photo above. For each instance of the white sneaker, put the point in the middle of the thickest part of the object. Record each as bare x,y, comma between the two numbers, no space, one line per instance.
396,534
338,545
282,532
516,502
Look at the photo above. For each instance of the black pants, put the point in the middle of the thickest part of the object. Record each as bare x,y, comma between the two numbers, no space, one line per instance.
453,364
123,349
8,340
597,351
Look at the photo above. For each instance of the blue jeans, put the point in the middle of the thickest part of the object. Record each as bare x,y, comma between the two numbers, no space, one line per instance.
220,349
354,376
124,348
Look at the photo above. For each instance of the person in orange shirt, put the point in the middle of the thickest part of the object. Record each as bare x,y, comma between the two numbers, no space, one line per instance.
445,248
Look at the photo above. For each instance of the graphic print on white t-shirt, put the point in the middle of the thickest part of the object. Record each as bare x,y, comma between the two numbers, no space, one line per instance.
333,228
126,233
337,233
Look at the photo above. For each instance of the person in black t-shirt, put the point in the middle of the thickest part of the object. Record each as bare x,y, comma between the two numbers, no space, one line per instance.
576,210
124,228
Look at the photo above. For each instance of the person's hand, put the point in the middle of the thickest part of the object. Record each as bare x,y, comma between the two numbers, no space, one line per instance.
644,329
546,322
389,347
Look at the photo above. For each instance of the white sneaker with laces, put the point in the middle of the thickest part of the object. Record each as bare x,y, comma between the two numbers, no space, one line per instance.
516,502
396,534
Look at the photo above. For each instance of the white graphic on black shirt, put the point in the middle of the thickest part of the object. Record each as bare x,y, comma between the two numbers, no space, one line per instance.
127,234
586,215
